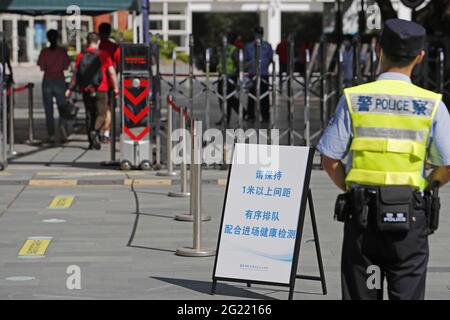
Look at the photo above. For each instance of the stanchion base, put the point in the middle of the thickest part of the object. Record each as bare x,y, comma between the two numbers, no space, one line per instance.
110,163
178,194
13,153
190,217
33,142
166,173
191,252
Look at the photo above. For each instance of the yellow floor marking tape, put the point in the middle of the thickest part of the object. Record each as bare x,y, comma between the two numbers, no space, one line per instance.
147,182
61,202
85,174
35,247
52,183
222,182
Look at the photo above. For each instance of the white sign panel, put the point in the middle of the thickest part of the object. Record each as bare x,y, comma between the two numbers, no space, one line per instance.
261,214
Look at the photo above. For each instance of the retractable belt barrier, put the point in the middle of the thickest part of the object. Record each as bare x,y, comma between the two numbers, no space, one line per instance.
9,102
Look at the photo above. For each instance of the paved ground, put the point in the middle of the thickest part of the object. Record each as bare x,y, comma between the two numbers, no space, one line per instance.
120,232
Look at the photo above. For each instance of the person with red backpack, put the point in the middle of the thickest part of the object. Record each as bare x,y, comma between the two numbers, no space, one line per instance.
92,69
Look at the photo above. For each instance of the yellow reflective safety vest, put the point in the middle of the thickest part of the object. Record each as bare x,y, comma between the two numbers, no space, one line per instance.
391,121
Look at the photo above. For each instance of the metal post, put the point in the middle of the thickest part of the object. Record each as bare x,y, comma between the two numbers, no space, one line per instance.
339,85
30,113
356,61
307,124
145,23
290,89
339,22
225,119
150,117
441,79
113,130
241,89
339,75
169,171
224,80
323,83
196,196
12,102
207,88
196,152
191,75
425,66
258,80
183,168
4,128
373,62
273,105
158,103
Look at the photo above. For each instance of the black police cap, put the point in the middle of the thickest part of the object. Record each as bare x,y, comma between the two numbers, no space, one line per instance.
402,38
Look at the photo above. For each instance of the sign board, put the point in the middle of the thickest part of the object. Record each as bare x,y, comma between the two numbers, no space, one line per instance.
136,57
263,214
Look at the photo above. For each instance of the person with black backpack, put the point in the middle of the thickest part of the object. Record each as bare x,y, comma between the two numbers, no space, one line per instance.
90,76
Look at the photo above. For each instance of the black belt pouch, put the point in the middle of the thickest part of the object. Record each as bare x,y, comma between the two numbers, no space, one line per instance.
394,208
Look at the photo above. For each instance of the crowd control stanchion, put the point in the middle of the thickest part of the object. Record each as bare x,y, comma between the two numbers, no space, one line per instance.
241,89
3,128
169,171
258,116
191,75
12,102
113,131
30,113
274,104
196,195
339,80
290,88
207,87
373,62
158,103
441,79
356,61
424,69
224,79
323,83
190,217
307,113
183,166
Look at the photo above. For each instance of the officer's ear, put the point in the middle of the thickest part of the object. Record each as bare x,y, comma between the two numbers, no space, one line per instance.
420,57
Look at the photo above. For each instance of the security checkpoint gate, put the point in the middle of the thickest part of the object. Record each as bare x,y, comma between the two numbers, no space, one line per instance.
136,76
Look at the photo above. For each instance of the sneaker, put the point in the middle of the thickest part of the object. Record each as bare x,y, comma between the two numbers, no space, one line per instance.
105,140
95,140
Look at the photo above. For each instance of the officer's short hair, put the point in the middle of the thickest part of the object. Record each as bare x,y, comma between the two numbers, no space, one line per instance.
398,61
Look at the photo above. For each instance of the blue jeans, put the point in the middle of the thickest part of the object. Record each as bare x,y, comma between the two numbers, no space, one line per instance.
52,89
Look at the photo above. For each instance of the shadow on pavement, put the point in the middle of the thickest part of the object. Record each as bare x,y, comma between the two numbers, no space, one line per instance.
222,288
150,248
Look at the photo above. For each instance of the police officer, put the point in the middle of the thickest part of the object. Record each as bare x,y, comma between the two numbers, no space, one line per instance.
387,128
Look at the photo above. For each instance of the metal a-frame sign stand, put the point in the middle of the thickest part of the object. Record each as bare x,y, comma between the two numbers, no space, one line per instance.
306,199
